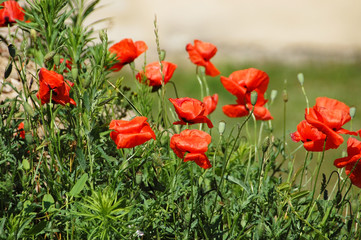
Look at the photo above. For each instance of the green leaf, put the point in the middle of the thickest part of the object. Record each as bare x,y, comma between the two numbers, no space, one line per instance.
37,228
300,194
48,201
237,181
79,185
80,157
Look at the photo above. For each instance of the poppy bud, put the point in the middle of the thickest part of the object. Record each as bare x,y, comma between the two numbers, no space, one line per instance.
138,177
29,109
344,154
300,78
26,164
273,95
162,55
254,96
57,59
221,127
337,199
352,112
26,126
8,70
285,96
74,72
265,144
33,34
29,138
12,50
202,70
49,56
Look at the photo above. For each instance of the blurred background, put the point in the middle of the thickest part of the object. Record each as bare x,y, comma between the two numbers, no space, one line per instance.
321,39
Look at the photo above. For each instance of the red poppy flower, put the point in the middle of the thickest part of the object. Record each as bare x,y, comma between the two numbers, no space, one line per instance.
328,116
201,53
52,81
191,145
244,106
210,102
190,111
243,82
355,175
10,12
126,51
21,130
128,134
353,157
154,75
353,154
313,139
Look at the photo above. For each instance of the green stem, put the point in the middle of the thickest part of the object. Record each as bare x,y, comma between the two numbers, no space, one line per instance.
303,170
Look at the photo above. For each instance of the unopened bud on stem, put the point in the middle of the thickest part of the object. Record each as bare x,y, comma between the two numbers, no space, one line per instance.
221,127
300,78
352,112
273,95
254,96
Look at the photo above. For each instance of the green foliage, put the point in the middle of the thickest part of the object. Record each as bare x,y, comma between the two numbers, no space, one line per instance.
67,179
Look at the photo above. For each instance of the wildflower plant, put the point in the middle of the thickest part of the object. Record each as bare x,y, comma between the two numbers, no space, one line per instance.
84,156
